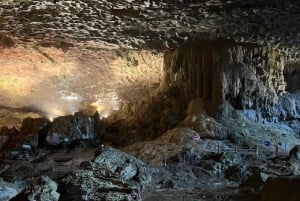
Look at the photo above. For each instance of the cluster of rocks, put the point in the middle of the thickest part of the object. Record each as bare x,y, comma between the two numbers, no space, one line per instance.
37,167
111,175
155,24
40,132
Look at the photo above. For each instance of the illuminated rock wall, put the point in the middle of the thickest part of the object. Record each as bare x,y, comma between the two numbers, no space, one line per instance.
249,77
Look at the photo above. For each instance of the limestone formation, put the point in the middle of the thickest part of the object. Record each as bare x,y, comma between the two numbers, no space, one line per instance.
112,175
68,128
45,190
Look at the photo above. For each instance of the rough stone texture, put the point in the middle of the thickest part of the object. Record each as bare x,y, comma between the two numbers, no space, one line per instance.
253,79
249,77
281,188
25,140
160,24
8,190
112,175
45,190
206,126
69,128
196,71
56,82
170,144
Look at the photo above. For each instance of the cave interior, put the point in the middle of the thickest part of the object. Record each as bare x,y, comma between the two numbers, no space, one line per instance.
149,100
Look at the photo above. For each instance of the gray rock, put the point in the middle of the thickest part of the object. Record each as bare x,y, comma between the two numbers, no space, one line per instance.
8,190
230,158
112,175
45,190
69,128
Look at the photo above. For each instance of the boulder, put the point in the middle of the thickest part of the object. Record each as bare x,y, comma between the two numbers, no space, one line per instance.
170,144
112,175
206,126
8,190
72,127
45,190
281,188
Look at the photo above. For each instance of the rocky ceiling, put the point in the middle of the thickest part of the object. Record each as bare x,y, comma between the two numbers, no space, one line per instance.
57,55
160,25
54,83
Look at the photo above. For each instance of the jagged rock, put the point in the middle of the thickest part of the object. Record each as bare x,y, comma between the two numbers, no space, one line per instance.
45,190
206,126
230,158
281,188
295,152
18,170
9,190
23,142
112,175
170,144
69,128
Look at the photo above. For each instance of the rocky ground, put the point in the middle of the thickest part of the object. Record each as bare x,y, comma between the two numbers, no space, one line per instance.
184,163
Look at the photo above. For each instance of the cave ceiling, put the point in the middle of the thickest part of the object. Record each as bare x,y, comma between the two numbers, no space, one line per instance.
65,52
163,24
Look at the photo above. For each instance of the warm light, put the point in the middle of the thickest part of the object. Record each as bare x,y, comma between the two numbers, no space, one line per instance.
106,103
53,113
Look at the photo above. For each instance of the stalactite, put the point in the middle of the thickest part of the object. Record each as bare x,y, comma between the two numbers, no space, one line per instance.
246,75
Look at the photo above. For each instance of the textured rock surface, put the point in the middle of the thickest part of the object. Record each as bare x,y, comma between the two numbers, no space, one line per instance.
247,76
170,144
112,175
55,82
45,190
9,190
69,128
159,24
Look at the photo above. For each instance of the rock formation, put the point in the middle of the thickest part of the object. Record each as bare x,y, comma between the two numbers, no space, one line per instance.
69,128
112,175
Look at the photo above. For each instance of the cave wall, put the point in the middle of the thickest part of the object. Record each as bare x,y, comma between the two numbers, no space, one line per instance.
253,79
196,71
249,77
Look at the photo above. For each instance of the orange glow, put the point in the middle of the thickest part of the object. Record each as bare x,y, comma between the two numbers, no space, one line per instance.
60,83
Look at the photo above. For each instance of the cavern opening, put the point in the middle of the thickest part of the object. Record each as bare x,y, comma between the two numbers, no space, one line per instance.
149,100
